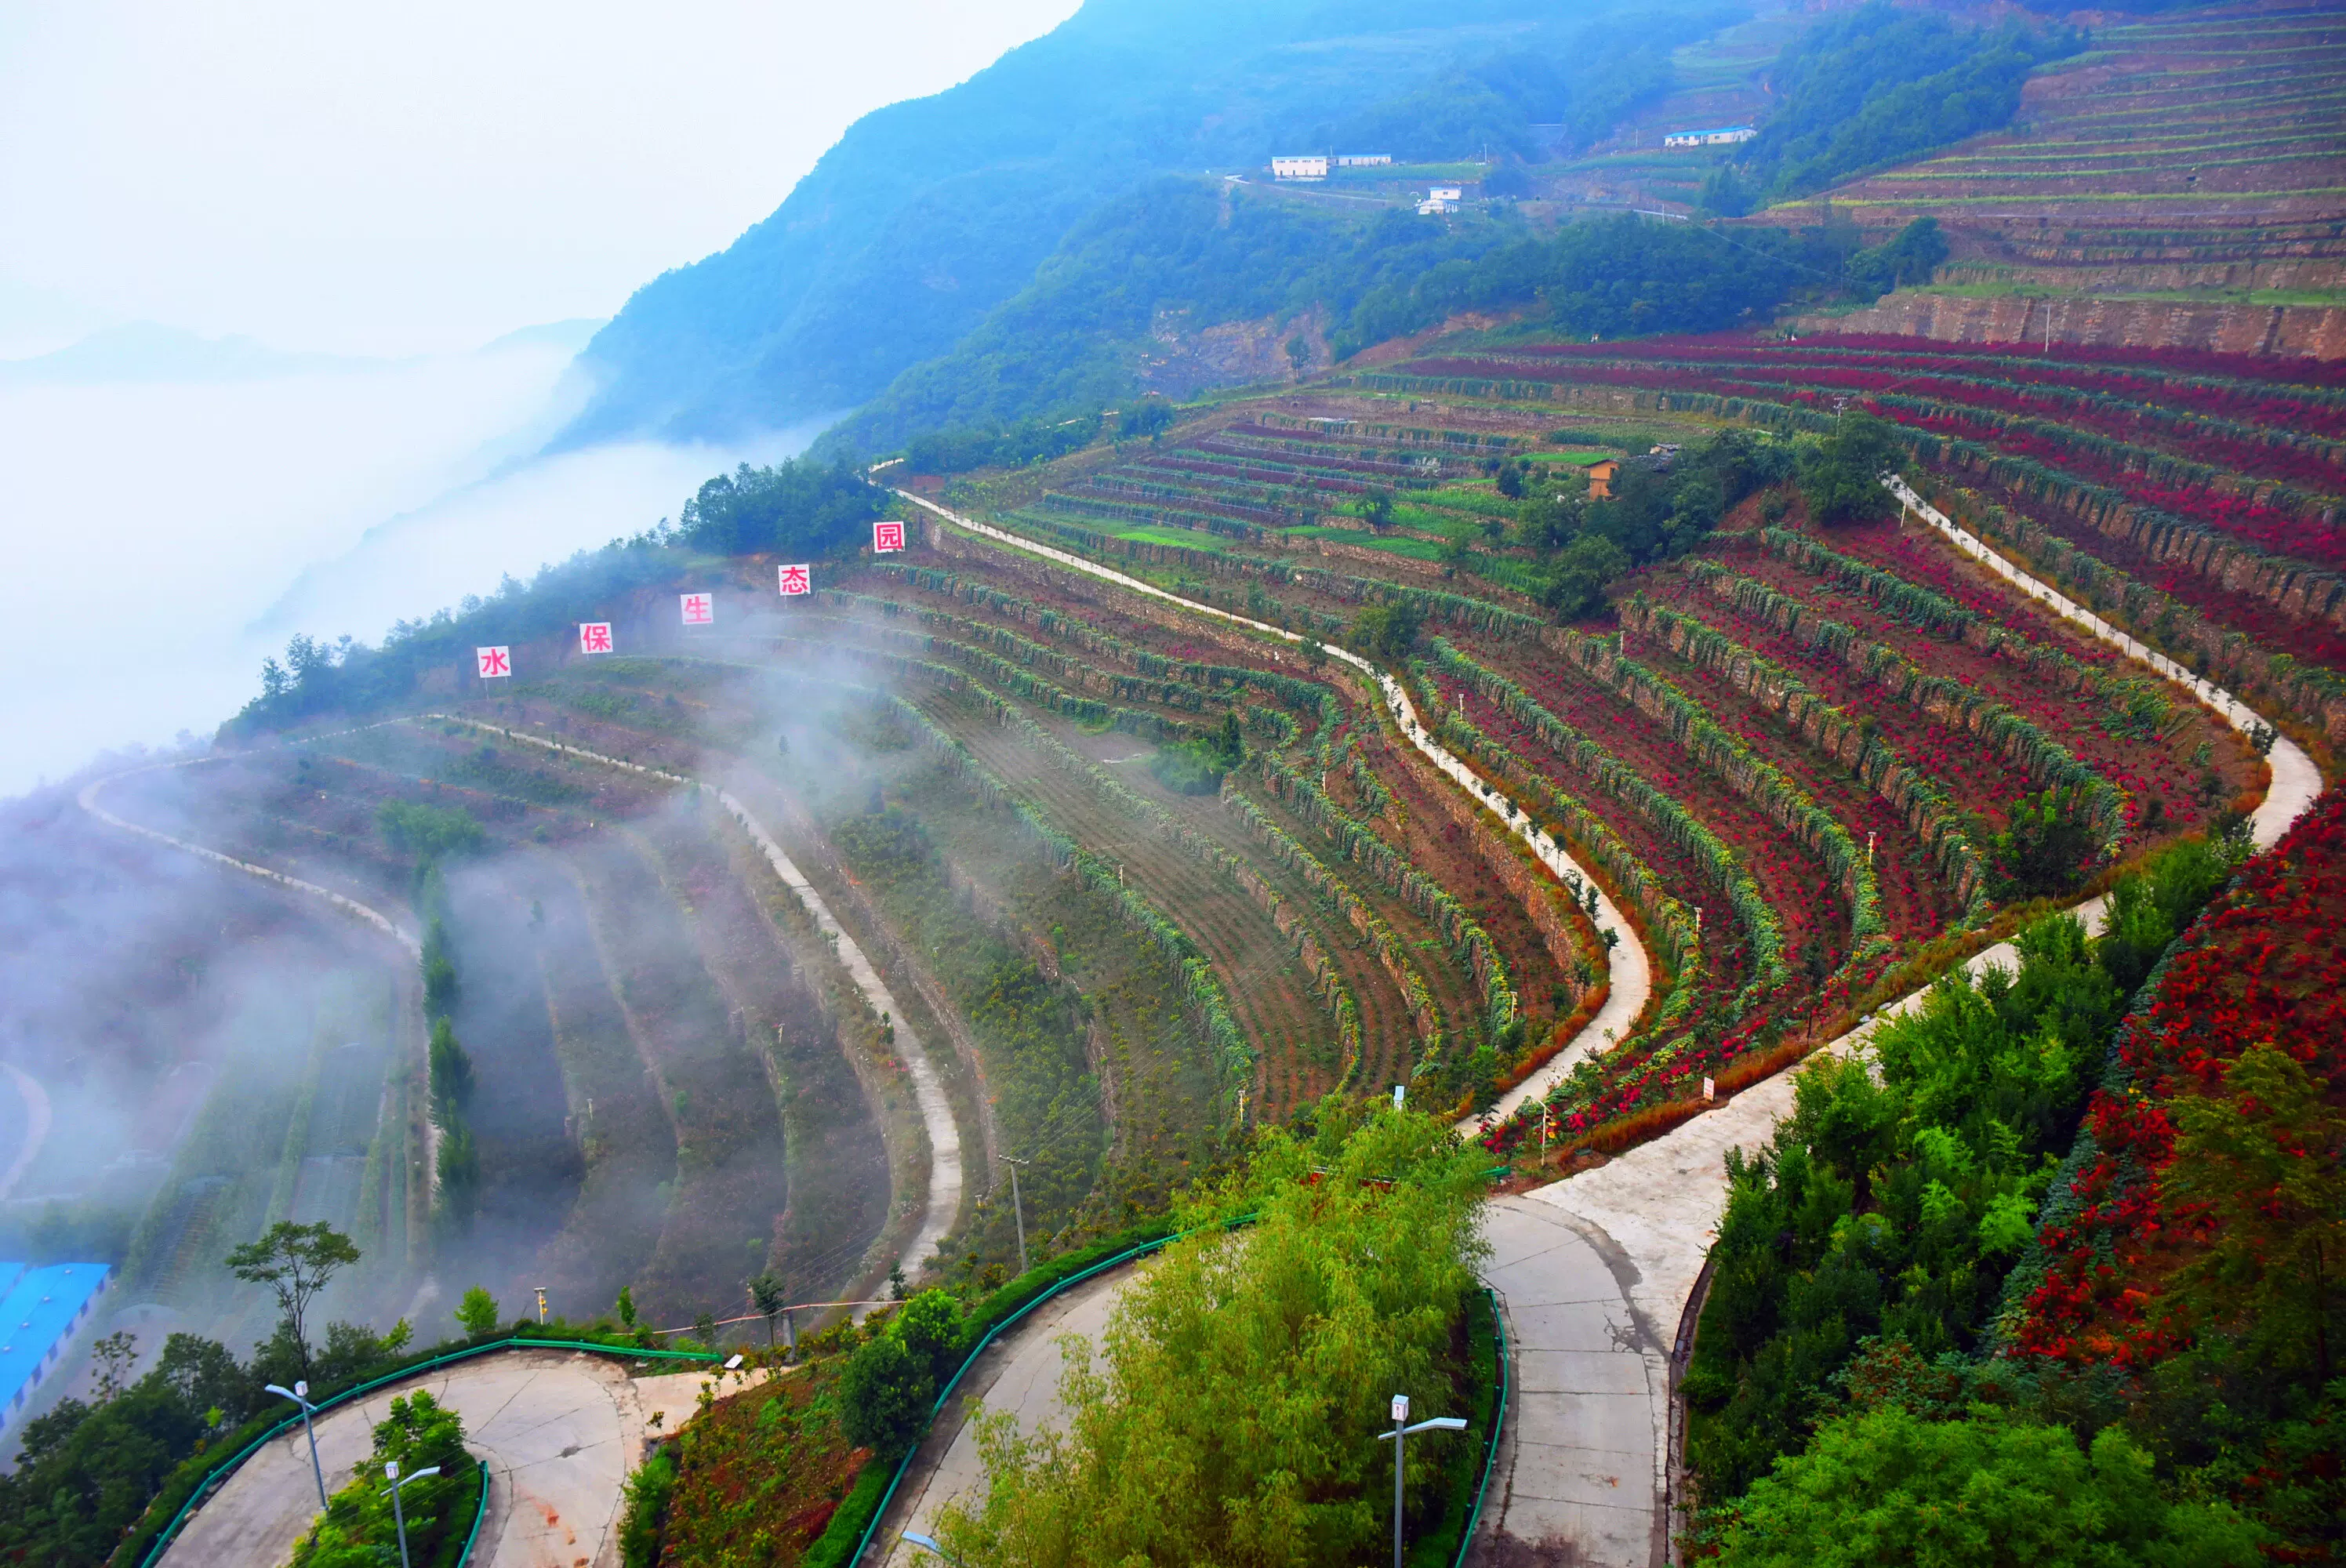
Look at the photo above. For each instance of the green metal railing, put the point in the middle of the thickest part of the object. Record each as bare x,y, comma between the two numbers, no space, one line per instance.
219,1475
480,1517
1498,1425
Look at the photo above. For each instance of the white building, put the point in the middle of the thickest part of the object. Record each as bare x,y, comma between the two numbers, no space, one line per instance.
1363,160
1314,167
1724,136
1446,193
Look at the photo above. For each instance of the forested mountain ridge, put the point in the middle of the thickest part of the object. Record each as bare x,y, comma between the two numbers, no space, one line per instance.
928,214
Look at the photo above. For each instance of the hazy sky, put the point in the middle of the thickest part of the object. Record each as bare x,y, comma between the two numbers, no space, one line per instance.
409,181
421,177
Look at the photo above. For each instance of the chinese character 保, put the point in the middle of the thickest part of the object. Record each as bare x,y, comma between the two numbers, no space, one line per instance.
797,579
594,636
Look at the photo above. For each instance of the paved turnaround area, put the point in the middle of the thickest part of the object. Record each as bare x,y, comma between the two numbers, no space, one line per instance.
559,1429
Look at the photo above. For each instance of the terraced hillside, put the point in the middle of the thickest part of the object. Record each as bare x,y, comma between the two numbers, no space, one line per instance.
2192,157
1791,752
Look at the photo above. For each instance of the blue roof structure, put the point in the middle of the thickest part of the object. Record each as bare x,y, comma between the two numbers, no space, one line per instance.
39,1315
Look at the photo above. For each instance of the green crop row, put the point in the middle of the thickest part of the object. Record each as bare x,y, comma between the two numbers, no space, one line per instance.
1851,741
1467,940
1661,810
2133,704
1233,1057
1756,778
1948,702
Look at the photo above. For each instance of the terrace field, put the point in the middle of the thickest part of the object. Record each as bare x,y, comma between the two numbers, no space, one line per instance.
2186,157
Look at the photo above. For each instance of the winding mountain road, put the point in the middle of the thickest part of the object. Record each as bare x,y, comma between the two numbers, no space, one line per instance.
1596,1271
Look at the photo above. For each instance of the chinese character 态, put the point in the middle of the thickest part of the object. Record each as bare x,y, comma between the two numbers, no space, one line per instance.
797,579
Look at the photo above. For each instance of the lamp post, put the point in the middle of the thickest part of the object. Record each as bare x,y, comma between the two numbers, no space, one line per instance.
1401,1434
399,1516
299,1393
928,1543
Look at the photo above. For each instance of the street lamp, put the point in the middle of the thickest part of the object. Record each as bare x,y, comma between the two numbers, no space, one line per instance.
398,1516
299,1394
1400,1434
929,1544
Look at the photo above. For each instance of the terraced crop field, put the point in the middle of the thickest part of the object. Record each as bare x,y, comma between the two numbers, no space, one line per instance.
2198,491
1788,755
2200,150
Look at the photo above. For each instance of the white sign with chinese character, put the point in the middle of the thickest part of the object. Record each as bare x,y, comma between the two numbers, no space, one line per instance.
594,637
798,579
494,662
699,609
887,536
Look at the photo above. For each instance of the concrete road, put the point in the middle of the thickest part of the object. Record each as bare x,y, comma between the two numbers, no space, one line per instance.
559,1428
1020,1373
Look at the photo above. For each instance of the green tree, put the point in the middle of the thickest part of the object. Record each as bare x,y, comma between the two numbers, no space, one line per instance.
295,1261
2045,847
2265,1163
766,1293
1841,475
1247,1373
358,1531
1386,631
450,1073
478,1313
1885,1488
1910,256
426,832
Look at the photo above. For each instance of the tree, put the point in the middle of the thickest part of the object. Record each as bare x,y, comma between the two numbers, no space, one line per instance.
1910,256
478,1313
357,1530
885,1393
2265,1165
114,1356
295,1261
450,1073
1887,1487
767,1293
626,1308
1386,631
2044,845
1841,475
1247,1373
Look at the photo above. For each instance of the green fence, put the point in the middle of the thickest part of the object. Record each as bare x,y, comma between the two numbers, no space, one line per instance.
221,1473
480,1516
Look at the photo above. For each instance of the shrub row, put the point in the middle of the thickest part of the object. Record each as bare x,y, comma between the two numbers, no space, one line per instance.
1752,776
1935,816
1467,940
2132,703
1663,812
1949,702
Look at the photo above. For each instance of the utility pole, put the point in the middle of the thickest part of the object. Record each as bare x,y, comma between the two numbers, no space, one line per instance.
541,1303
1017,1210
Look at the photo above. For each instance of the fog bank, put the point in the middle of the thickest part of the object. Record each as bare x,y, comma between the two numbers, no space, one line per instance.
163,537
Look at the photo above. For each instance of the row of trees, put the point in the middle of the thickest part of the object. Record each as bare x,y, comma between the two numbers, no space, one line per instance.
1862,1257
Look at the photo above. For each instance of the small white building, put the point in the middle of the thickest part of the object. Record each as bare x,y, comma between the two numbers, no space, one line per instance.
1724,136
1363,160
1313,166
1446,193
